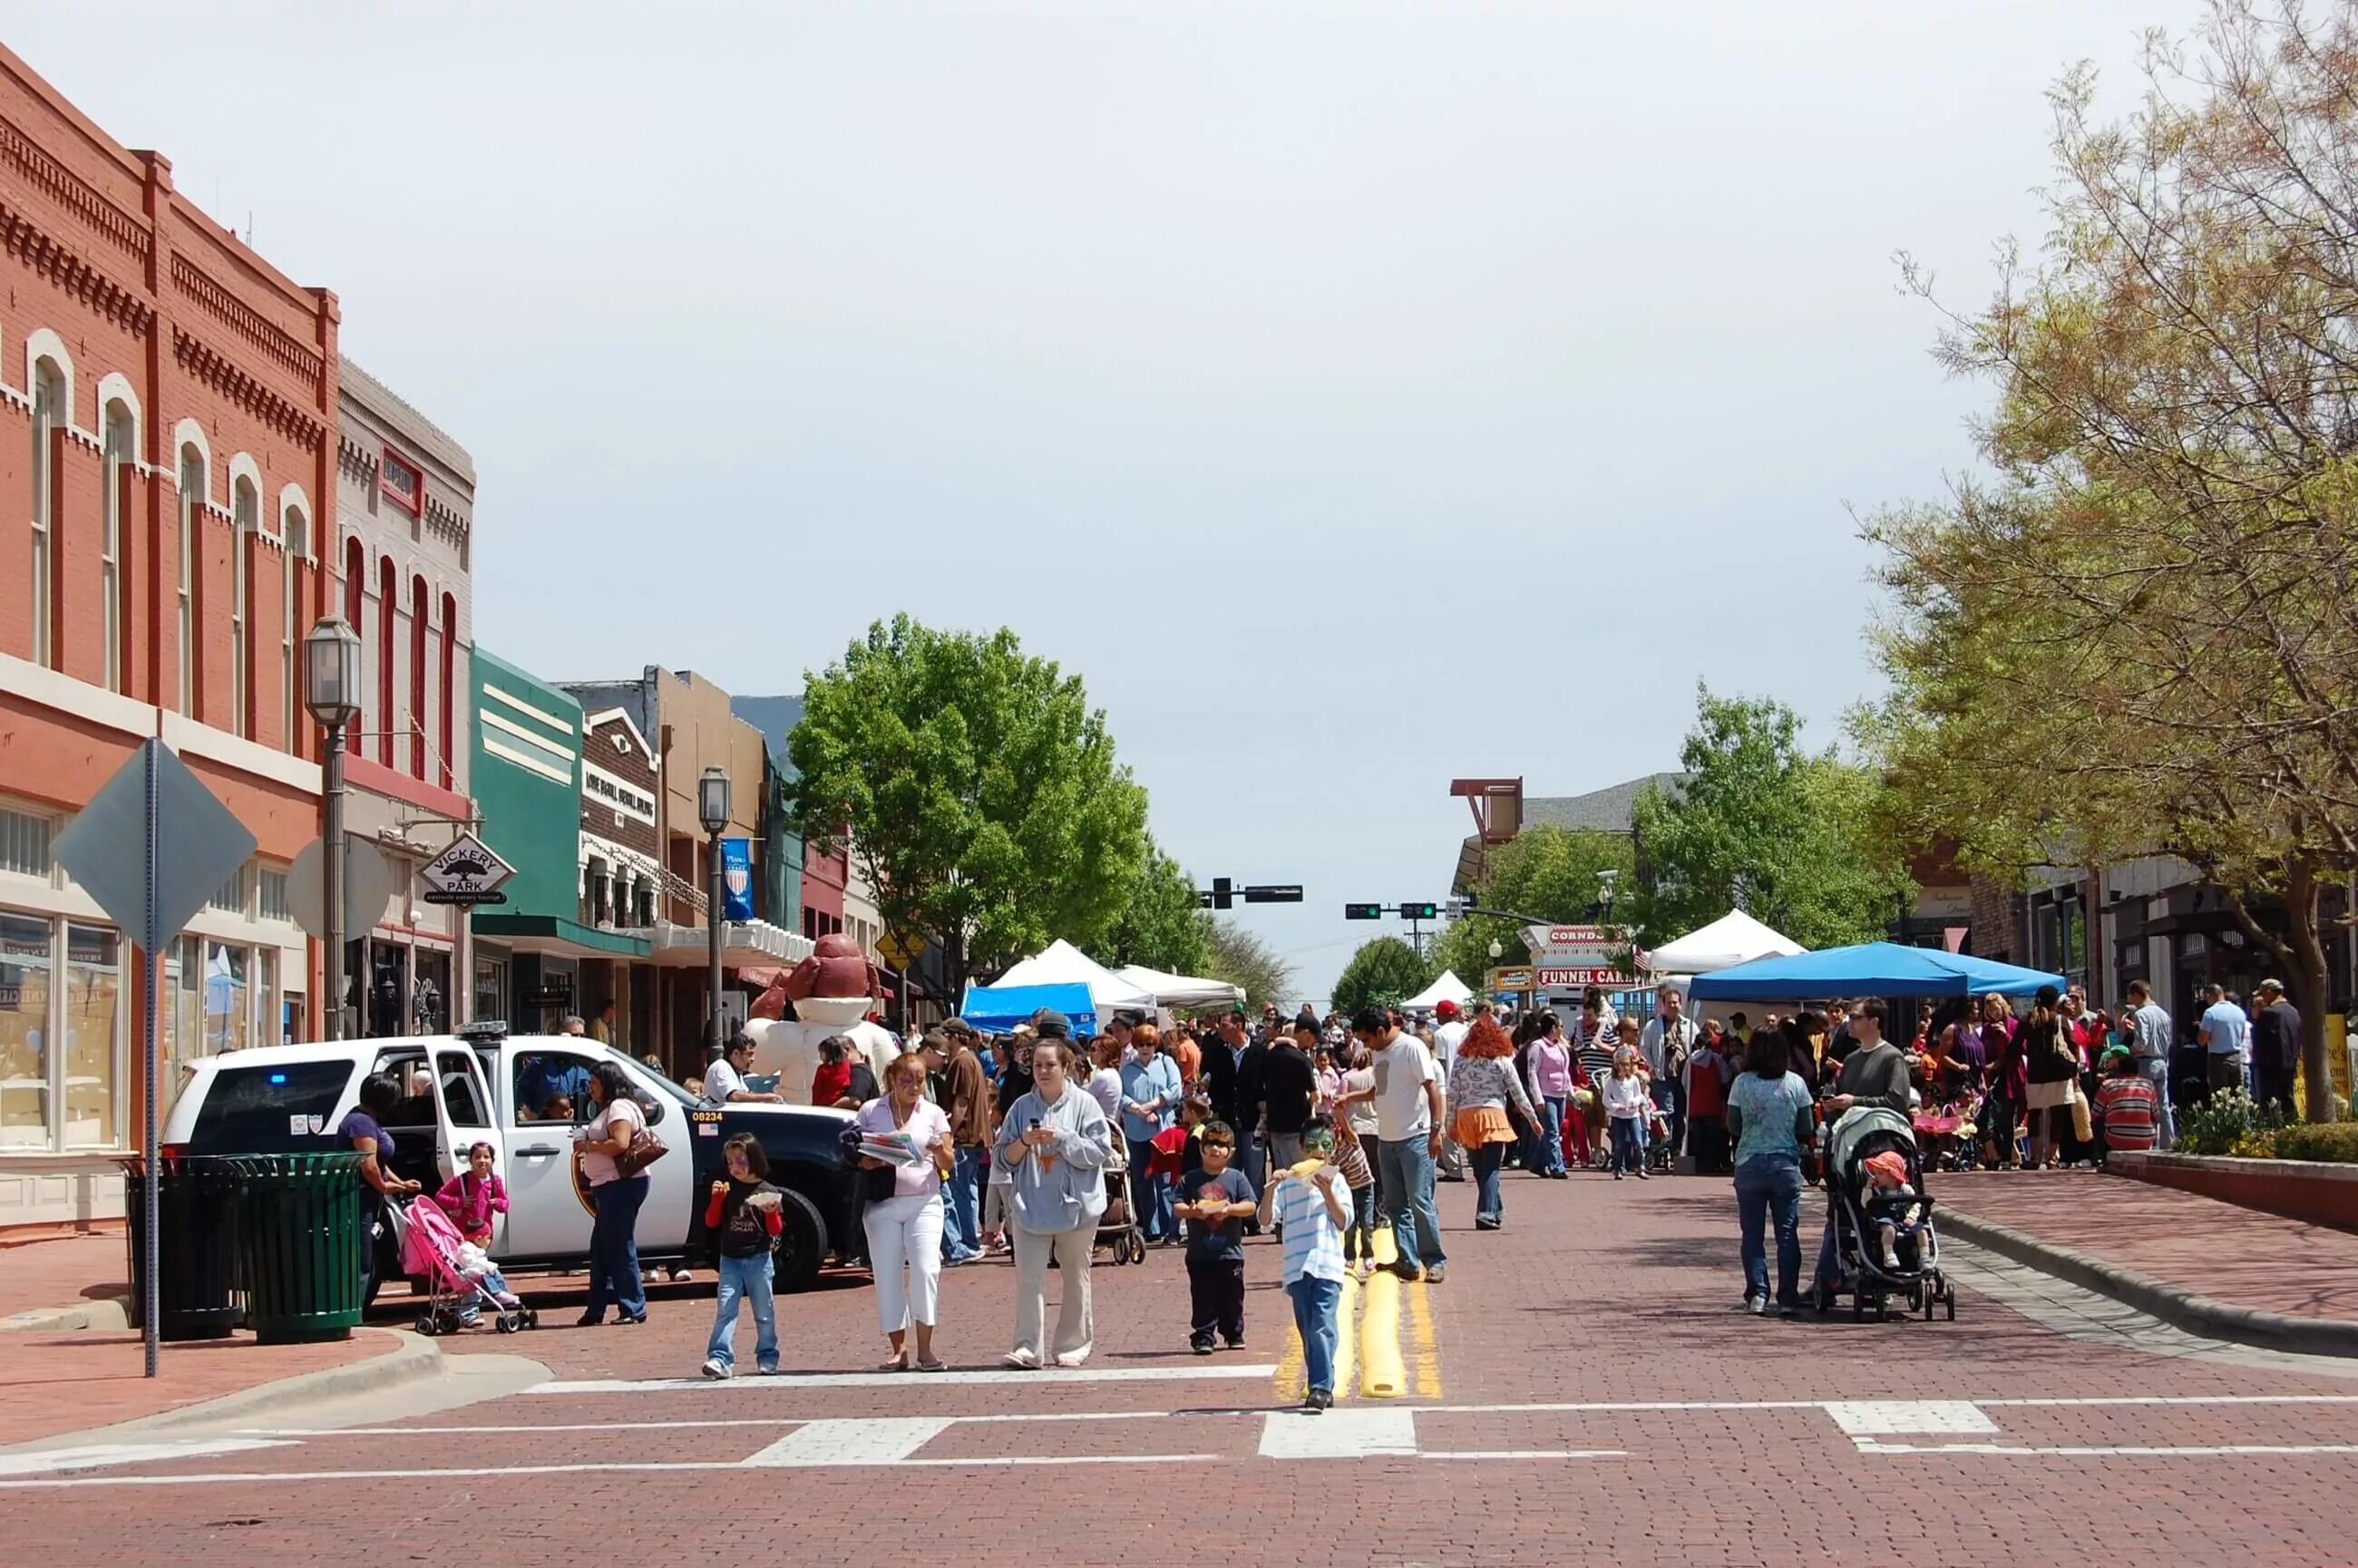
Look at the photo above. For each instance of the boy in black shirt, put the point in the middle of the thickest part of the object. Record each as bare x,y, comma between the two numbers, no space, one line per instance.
1214,1202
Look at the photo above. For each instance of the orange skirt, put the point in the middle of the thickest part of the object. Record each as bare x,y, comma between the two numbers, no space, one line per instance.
1479,1124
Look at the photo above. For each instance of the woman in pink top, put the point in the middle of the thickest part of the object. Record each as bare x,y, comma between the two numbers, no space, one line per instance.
904,1231
1550,1064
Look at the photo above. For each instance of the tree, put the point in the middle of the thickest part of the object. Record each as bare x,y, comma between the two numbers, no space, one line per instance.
1761,825
977,787
1550,874
1382,973
1163,926
1241,959
2135,636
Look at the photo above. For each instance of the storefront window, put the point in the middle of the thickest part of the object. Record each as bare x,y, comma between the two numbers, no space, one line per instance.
429,1001
386,992
229,1020
266,1014
92,1021
24,970
491,988
182,1005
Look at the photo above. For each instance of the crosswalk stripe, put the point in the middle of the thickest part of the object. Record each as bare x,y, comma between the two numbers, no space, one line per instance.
1045,1378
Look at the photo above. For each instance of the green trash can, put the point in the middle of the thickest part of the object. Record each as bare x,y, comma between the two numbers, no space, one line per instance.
196,1210
301,1239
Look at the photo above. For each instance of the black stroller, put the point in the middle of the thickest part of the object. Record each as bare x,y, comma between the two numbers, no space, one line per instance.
1872,1280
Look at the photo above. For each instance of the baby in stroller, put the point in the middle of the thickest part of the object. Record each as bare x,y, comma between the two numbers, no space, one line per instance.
461,1279
1893,1206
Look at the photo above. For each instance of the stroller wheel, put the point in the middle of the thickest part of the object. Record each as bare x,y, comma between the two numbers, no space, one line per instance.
504,1324
1823,1298
1137,1248
426,1327
532,1317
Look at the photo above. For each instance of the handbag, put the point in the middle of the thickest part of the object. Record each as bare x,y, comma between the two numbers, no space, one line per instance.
2083,1127
644,1149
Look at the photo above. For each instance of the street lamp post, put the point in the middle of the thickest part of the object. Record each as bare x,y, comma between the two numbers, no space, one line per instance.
712,810
331,695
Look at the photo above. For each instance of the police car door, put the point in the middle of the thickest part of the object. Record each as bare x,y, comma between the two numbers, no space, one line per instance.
544,1095
665,1219
462,1112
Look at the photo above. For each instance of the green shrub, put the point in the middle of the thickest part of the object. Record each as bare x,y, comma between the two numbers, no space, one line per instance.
2333,1140
2223,1124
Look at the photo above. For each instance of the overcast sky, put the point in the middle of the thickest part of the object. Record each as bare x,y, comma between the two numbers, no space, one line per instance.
1357,395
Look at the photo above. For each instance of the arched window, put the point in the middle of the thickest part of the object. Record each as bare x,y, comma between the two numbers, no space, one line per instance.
114,558
417,632
355,600
246,510
192,503
50,415
294,531
388,611
449,684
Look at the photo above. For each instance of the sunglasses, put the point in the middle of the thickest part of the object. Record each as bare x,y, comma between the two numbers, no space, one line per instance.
1230,1148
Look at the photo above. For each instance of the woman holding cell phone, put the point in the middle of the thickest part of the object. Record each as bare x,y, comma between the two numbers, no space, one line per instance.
1055,1143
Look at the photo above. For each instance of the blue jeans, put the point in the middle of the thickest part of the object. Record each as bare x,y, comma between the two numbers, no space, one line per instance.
962,1214
2155,1070
615,1248
1407,1172
1762,1182
745,1279
1551,1134
1149,1194
1487,1158
1314,1302
1628,1143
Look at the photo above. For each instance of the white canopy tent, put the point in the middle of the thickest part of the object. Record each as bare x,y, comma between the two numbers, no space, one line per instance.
1734,938
1065,965
1181,990
1448,988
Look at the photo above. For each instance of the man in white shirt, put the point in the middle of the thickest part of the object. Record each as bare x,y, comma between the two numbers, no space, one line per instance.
1408,1099
724,1077
1449,1034
1665,1042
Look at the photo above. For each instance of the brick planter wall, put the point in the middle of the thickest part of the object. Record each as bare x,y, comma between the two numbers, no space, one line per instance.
2315,1191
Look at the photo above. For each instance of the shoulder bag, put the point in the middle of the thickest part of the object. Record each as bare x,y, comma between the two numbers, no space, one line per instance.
645,1147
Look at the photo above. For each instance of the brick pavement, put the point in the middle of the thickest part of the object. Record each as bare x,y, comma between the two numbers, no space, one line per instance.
63,1271
2231,1254
1596,1296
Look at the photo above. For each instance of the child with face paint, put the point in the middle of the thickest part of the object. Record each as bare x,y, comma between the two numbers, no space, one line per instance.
1309,1200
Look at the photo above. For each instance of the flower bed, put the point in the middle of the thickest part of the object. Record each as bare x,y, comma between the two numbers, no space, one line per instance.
2323,1192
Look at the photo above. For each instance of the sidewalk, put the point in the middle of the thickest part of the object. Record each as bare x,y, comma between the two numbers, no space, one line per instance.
2205,1266
53,1381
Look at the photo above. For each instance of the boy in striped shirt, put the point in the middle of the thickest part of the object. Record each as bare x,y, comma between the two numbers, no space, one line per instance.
1308,1201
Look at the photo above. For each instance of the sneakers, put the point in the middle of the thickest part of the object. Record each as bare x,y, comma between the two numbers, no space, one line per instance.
1318,1400
1617,1176
1237,1343
1021,1359
1757,1305
1437,1273
1641,1173
771,1370
1200,1347
716,1369
1891,1260
1408,1271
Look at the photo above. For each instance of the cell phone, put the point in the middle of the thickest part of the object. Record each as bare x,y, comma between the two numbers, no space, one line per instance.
1035,1124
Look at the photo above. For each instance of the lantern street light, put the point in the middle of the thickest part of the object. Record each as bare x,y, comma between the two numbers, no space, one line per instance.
712,810
331,695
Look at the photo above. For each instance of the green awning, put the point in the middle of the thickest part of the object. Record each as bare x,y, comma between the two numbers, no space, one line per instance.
556,931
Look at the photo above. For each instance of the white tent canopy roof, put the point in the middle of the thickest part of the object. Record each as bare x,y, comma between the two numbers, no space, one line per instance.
1734,938
1448,988
1063,964
1181,990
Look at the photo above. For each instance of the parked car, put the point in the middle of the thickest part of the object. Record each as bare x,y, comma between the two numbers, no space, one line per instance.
523,1095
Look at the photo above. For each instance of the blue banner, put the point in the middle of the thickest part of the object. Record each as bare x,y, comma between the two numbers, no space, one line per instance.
737,879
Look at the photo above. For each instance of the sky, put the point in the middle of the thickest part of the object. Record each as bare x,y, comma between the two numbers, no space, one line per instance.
1357,395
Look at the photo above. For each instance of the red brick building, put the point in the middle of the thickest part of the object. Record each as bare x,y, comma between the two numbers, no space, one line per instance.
167,452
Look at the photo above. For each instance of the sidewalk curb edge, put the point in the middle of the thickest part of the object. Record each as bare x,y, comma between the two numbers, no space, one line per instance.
2173,1304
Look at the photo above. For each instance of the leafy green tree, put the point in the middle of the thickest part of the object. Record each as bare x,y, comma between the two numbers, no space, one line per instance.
1163,926
1381,973
1761,825
978,789
1241,959
1550,874
2134,635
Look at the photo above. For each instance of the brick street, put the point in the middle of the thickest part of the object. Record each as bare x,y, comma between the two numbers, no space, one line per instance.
1582,1385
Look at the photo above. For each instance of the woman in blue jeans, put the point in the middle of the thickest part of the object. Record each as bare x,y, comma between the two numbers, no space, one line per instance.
615,1198
1770,1116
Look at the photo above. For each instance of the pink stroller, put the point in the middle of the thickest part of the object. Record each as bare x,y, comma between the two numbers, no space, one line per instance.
460,1281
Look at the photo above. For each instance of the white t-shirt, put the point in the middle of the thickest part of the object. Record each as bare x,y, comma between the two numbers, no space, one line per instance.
1403,1111
721,1080
1445,1041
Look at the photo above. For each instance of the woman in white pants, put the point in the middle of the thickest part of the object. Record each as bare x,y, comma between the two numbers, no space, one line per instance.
1054,1145
904,1231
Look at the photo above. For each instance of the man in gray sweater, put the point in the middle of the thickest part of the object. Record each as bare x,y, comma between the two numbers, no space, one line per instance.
1877,1073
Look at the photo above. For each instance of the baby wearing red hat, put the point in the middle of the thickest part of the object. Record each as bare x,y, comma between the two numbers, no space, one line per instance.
1892,1203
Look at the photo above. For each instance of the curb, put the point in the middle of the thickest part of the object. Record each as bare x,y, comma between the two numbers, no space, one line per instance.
105,1313
2173,1304
412,1360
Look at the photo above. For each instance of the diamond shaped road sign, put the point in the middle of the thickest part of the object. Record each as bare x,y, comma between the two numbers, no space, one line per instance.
199,846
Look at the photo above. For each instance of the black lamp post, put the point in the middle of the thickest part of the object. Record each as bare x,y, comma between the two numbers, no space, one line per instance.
712,810
331,695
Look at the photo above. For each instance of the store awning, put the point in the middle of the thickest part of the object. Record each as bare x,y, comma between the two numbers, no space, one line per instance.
744,943
554,934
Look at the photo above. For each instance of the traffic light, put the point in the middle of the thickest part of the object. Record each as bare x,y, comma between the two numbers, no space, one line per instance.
1420,912
1274,892
1223,893
1363,912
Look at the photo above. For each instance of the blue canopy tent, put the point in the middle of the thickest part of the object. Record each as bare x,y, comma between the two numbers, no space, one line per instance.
1871,968
995,1009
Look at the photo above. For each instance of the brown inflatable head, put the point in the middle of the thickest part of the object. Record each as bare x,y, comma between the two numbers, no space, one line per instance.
836,967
